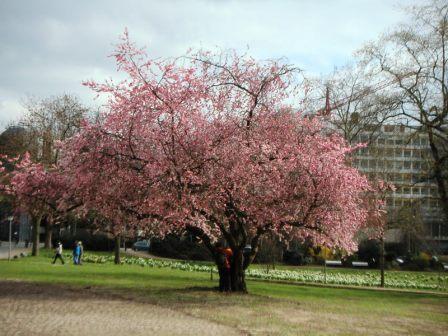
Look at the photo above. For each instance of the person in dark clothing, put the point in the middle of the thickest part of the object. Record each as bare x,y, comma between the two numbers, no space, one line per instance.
58,254
16,238
224,258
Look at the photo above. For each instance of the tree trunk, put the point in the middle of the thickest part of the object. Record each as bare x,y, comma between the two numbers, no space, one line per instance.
438,171
382,261
237,273
36,229
48,235
117,250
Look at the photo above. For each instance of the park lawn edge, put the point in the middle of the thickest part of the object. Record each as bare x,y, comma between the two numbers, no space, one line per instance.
48,254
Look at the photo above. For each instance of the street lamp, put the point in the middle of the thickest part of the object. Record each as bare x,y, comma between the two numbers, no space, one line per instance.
10,218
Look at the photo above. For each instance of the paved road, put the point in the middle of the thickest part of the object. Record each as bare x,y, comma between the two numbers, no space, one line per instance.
15,250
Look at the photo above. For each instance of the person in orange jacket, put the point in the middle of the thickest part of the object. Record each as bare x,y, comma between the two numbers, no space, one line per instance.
224,262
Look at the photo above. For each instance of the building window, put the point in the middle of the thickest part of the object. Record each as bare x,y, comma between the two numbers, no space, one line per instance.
433,203
416,141
398,142
407,202
416,165
407,165
424,141
435,228
381,141
407,153
388,128
444,229
406,190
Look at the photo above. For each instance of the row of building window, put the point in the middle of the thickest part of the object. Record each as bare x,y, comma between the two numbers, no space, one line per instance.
399,178
390,141
390,164
425,191
393,152
438,230
406,202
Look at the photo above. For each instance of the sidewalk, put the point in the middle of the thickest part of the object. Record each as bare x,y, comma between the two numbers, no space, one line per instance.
15,250
142,254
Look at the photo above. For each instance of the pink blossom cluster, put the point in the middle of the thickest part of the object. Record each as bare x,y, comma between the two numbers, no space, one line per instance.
209,142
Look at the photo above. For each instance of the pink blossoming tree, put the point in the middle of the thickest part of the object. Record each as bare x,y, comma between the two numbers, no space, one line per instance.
209,144
37,190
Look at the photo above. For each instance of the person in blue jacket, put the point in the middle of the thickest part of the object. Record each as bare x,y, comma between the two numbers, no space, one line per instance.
76,253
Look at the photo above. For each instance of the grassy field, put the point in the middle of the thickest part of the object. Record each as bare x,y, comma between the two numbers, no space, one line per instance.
269,309
428,281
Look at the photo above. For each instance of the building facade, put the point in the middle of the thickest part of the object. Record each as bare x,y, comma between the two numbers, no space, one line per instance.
402,156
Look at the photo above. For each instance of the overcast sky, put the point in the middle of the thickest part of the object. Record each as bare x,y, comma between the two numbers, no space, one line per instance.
50,47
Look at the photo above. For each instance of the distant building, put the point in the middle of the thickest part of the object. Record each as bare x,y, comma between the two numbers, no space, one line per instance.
401,156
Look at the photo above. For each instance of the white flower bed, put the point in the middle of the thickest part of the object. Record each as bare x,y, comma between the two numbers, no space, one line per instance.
431,281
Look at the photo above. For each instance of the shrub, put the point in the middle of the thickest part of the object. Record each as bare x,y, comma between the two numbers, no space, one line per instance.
178,247
293,258
421,262
369,251
347,260
93,242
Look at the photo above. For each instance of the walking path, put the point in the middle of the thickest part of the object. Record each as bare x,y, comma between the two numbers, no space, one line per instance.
37,309
142,254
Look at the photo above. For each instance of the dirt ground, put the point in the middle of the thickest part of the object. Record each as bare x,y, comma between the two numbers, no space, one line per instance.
31,309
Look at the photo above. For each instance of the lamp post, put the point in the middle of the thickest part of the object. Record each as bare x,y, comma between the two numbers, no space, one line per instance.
10,218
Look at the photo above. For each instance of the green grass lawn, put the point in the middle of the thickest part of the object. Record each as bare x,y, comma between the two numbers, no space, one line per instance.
269,309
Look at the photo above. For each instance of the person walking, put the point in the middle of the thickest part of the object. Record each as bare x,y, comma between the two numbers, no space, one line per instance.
16,238
76,252
58,254
81,252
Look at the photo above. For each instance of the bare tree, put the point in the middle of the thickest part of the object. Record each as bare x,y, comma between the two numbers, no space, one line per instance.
50,120
414,57
357,108
46,122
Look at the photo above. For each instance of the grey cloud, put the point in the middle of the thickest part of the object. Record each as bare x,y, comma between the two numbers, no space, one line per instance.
49,47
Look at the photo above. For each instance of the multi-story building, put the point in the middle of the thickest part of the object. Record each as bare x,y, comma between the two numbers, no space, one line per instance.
401,156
